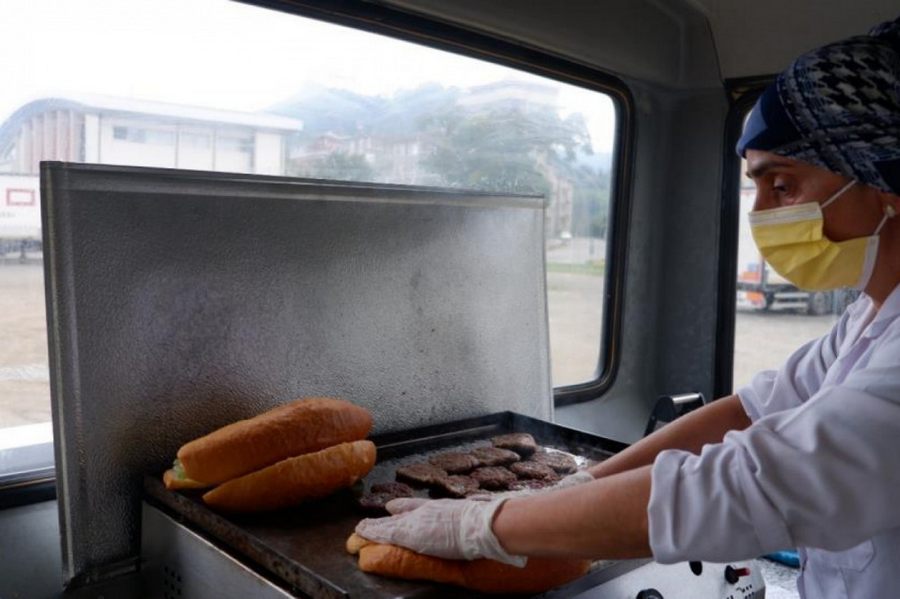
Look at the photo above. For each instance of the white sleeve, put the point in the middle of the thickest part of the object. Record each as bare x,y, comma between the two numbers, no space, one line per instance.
825,474
798,378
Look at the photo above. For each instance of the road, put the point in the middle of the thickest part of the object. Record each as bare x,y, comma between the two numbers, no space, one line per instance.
575,318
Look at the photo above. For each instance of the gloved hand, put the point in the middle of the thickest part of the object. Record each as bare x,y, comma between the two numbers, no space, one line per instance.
448,528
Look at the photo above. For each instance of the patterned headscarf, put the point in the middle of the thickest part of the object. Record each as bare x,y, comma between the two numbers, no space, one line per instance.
838,108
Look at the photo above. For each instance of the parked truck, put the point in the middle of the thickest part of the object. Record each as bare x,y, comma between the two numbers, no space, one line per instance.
20,215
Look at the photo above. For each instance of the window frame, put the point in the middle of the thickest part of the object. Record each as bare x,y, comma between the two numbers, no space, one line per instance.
39,483
433,33
742,95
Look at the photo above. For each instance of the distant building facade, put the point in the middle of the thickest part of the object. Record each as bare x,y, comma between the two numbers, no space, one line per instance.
108,130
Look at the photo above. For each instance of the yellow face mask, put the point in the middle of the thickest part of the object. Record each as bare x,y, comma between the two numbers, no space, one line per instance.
792,242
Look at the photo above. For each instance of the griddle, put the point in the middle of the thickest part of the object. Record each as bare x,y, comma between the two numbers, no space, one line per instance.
302,548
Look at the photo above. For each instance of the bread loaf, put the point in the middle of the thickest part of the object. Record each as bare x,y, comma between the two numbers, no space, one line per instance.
295,428
294,480
174,482
482,575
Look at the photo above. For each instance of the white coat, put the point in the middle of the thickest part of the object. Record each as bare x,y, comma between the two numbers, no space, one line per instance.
819,468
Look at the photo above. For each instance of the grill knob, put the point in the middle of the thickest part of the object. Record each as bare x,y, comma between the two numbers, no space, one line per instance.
649,594
732,575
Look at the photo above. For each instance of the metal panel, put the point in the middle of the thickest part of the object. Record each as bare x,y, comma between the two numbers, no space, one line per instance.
303,547
177,562
181,301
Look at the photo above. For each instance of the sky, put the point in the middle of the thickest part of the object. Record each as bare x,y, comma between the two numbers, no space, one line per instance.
223,54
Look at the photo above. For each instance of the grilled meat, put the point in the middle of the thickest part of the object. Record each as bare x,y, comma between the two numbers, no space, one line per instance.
522,443
455,462
421,473
493,478
562,463
534,470
495,456
531,483
457,485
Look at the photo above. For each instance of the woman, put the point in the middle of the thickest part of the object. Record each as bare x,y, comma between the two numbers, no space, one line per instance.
807,456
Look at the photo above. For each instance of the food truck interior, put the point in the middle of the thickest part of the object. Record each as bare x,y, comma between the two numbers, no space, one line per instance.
470,218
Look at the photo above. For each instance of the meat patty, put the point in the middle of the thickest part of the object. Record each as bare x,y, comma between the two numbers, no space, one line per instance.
562,463
531,483
379,494
522,443
495,456
421,473
455,462
393,488
534,470
493,478
457,485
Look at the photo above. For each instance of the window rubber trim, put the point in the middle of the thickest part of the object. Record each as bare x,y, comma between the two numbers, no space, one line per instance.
742,94
442,35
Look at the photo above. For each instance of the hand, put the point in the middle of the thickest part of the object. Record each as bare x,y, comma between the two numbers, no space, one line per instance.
448,528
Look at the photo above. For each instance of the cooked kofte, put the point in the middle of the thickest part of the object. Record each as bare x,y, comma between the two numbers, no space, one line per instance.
493,478
379,494
421,473
534,470
456,485
521,443
531,483
495,456
562,463
393,488
455,462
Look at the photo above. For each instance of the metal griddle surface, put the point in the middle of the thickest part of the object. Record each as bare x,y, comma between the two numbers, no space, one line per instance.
303,547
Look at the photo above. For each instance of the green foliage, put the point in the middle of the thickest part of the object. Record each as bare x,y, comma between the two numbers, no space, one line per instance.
501,149
339,166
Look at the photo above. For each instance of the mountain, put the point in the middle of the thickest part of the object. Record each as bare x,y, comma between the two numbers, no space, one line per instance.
344,112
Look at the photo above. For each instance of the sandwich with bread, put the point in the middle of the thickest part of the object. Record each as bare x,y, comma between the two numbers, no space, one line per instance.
539,574
305,449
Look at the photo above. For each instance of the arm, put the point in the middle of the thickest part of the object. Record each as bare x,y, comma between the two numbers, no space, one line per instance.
601,518
605,518
690,433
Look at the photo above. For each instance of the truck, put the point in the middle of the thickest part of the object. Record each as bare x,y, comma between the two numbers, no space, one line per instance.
20,215
759,287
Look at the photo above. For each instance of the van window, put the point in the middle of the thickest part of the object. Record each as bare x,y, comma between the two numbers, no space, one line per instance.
773,317
217,85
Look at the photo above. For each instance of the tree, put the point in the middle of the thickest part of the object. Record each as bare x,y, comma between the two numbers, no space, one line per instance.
339,166
501,148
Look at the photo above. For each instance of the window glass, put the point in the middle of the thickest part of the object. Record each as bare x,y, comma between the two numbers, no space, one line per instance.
216,85
773,318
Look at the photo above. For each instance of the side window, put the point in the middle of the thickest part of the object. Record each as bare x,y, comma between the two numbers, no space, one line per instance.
223,86
773,317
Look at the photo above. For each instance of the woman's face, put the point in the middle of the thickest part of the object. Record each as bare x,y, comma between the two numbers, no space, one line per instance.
783,181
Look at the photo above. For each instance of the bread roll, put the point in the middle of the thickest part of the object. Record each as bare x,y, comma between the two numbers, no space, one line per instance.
174,482
482,575
294,480
295,428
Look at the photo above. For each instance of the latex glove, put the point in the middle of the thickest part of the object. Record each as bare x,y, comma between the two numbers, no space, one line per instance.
448,528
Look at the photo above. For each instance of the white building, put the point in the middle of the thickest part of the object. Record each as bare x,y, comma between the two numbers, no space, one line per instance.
101,129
